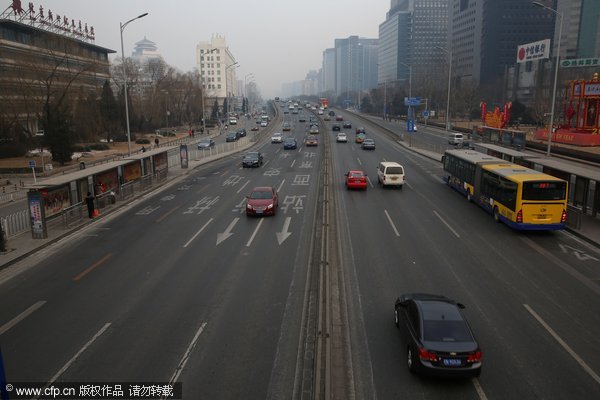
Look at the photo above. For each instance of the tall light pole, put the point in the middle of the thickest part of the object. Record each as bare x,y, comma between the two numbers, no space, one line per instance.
203,90
123,25
556,66
449,52
227,85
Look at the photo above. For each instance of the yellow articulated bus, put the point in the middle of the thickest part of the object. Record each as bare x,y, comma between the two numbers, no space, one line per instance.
521,197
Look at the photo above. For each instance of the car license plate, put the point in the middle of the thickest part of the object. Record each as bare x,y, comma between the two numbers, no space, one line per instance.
452,362
542,216
394,178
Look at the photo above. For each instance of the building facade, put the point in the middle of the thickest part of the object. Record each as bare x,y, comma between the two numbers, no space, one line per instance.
355,66
217,66
328,71
42,59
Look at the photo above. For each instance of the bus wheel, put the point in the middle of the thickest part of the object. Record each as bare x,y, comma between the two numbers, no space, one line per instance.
496,214
469,197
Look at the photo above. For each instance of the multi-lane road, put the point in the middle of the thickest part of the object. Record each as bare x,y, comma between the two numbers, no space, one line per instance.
182,286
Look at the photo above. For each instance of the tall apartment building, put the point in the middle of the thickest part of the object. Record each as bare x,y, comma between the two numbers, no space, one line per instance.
581,28
484,36
355,65
216,66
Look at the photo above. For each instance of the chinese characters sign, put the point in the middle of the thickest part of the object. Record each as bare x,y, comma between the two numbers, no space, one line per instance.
533,51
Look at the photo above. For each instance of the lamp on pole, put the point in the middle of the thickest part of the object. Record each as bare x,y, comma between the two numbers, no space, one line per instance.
556,66
227,85
123,25
449,52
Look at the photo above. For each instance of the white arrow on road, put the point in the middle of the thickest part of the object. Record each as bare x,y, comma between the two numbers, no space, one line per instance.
284,234
227,234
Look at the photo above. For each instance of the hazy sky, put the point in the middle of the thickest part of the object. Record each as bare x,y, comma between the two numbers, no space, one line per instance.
276,40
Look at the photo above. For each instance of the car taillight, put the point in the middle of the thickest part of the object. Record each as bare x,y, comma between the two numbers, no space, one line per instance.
520,217
427,355
563,217
474,357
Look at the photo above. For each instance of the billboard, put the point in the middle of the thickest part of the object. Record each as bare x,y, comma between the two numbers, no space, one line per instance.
533,51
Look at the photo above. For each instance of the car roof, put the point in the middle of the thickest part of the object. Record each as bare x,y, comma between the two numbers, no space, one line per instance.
263,189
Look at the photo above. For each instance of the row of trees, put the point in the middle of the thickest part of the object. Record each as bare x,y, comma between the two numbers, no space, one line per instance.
60,103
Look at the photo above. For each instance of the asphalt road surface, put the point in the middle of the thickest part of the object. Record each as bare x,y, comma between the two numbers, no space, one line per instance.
182,286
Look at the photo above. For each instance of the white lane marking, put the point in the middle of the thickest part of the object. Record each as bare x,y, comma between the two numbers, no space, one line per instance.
197,233
74,358
370,183
21,317
408,184
445,223
284,234
280,186
254,233
265,164
391,223
243,186
227,234
478,389
565,346
293,162
358,159
186,356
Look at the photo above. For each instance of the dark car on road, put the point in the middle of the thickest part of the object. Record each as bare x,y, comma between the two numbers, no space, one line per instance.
347,125
232,137
336,127
205,144
437,339
290,144
241,132
252,159
263,200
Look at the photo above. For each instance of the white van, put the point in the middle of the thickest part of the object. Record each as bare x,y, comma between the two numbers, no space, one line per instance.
455,138
390,174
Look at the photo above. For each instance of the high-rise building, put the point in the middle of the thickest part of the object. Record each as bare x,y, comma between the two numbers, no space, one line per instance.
328,71
355,66
581,28
216,66
410,39
484,36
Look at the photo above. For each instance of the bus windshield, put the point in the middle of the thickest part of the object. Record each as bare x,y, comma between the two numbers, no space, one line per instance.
544,190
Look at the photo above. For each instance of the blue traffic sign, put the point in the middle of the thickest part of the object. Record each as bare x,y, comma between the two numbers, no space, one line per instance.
426,114
412,101
31,163
410,125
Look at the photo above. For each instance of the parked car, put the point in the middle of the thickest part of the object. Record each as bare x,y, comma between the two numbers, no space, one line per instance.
232,137
436,336
263,200
356,179
276,137
205,144
368,144
252,159
290,144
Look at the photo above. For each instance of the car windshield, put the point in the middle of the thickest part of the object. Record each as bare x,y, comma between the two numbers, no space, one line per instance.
446,331
261,195
356,175
289,140
205,141
395,170
251,156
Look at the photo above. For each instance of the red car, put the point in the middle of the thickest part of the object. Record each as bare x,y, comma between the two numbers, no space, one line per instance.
262,201
356,179
339,118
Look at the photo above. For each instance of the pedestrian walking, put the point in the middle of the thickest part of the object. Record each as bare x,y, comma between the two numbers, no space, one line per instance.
89,201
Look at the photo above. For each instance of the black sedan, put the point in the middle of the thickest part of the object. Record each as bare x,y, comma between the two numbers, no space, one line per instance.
290,144
232,137
205,144
347,125
436,337
336,127
252,159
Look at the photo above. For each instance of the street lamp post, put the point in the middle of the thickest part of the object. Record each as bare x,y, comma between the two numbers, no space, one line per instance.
449,52
556,66
122,26
227,86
